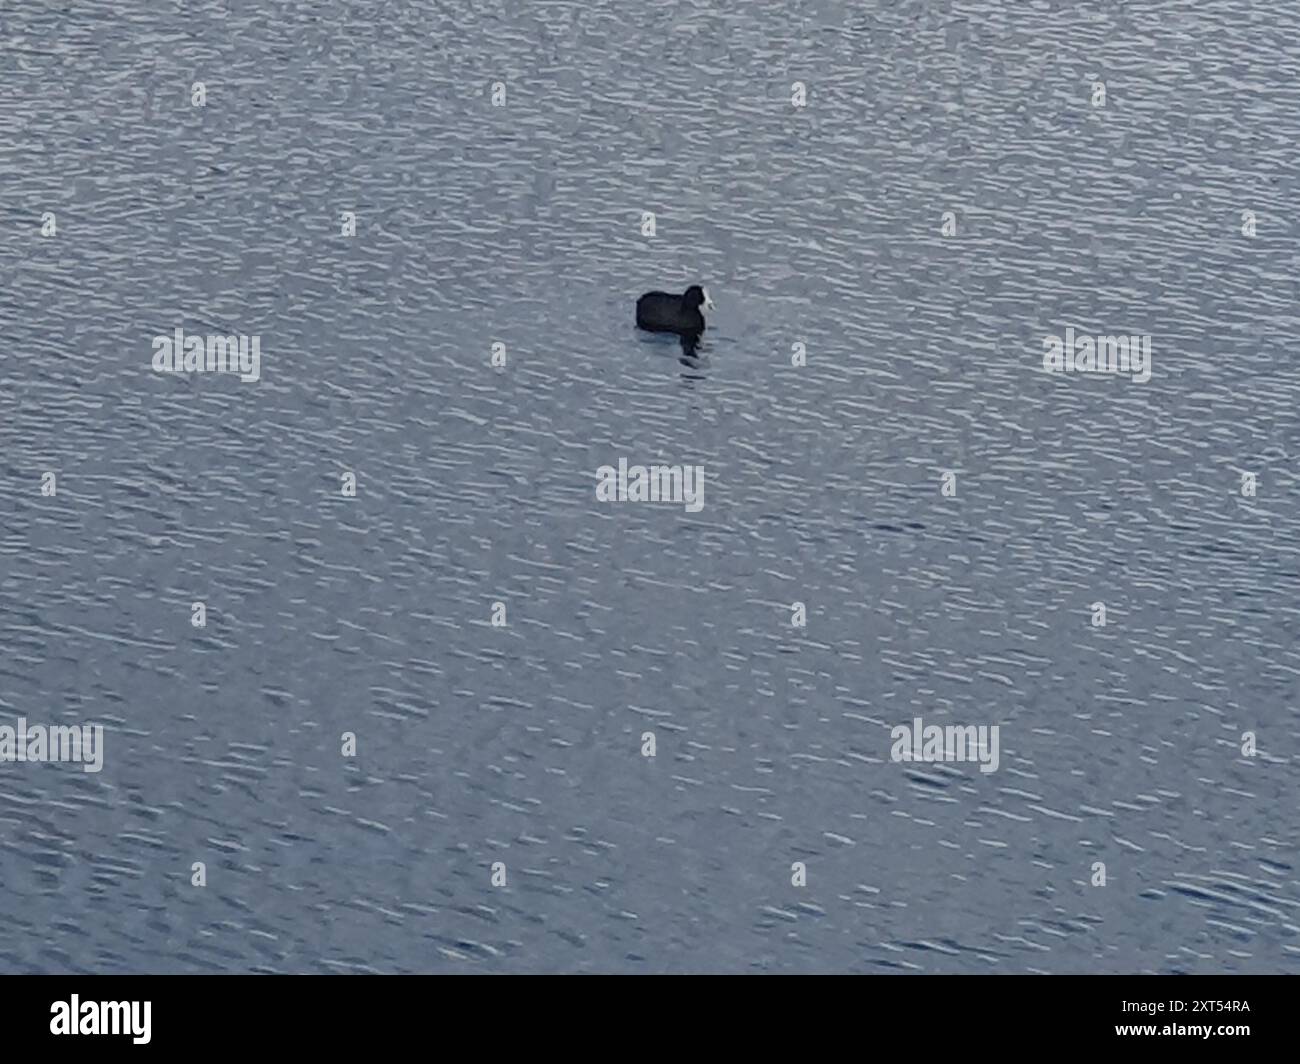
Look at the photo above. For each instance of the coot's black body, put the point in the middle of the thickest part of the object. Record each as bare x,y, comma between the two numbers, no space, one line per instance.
664,312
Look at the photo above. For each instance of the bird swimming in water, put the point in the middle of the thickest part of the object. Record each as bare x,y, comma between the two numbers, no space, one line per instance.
664,312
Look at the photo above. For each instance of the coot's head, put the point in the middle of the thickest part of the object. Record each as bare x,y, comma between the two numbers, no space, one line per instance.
696,297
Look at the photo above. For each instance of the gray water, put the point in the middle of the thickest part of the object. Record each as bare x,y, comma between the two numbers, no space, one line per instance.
520,745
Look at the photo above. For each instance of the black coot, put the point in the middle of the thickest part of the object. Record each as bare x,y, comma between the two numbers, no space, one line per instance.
664,312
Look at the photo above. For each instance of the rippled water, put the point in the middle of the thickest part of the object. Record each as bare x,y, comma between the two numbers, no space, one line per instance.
521,225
